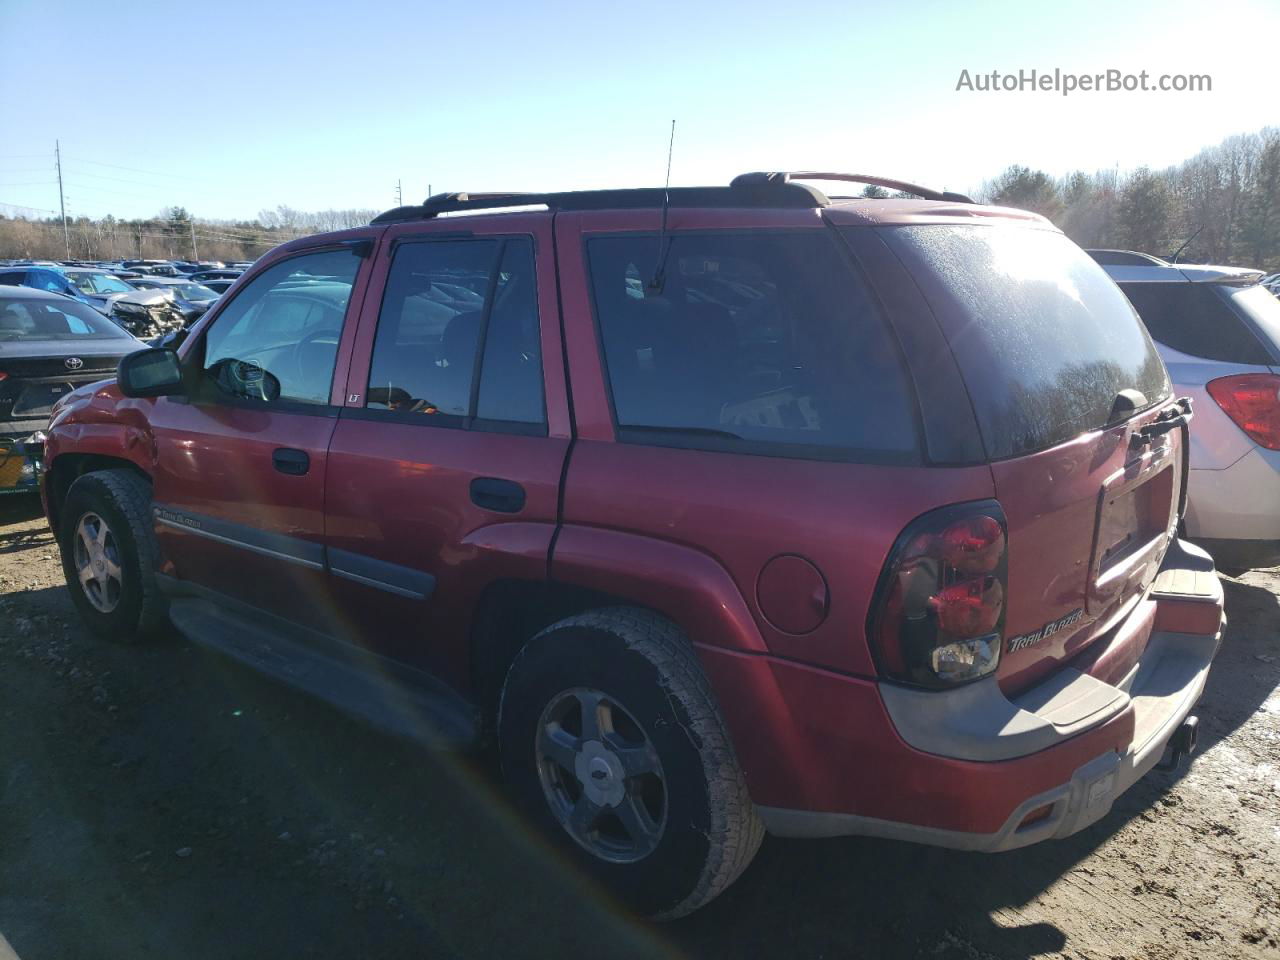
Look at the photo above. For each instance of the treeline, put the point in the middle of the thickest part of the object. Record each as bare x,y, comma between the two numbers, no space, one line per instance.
171,234
1223,204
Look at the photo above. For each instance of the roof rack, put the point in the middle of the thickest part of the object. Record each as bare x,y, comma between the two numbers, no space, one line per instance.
927,193
736,195
777,190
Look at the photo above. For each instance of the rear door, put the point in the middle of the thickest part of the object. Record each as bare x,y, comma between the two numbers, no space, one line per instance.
444,470
1063,378
240,461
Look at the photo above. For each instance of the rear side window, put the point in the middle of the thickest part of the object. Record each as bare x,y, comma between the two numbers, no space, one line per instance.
443,301
759,343
1045,341
1195,319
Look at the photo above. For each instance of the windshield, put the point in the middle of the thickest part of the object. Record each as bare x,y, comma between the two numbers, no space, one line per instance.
1043,338
195,291
1262,307
22,319
98,283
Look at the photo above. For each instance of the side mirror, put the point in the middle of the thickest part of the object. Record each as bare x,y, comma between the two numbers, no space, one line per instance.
150,373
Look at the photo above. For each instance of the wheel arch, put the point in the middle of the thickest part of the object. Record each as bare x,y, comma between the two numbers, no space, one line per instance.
66,468
591,569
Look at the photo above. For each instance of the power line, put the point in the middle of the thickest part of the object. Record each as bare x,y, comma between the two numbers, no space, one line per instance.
140,183
21,206
116,166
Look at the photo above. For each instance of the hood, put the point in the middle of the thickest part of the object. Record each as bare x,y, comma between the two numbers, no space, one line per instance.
146,298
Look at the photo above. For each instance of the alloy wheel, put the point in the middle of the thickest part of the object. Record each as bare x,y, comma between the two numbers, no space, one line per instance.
601,775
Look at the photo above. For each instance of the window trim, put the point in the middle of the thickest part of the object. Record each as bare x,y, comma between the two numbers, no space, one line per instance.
653,436
469,421
192,361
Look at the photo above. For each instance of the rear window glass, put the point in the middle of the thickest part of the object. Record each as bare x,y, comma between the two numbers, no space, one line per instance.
1044,340
760,343
1262,307
1196,319
57,320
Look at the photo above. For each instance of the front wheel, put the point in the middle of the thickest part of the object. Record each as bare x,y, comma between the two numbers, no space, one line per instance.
109,555
611,739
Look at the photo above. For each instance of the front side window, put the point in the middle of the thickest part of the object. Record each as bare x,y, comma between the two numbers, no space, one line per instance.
445,302
767,343
278,339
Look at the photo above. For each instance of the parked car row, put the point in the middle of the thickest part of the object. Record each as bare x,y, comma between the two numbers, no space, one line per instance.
149,298
810,515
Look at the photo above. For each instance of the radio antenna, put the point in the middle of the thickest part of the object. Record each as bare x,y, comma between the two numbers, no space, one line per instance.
659,273
1187,244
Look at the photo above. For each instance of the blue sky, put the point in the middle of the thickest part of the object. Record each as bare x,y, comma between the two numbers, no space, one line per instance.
231,107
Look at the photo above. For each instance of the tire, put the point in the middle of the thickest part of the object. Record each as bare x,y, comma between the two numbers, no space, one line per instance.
121,500
658,712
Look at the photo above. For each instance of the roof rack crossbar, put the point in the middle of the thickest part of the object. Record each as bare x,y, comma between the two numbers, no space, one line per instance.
928,193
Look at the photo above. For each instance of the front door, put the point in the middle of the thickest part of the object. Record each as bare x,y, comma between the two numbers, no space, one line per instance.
239,481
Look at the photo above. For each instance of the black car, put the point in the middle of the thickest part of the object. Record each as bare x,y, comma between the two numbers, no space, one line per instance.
218,286
224,274
49,345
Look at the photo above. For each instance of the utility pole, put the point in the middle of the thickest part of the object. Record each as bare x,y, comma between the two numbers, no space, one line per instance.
66,235
399,195
195,254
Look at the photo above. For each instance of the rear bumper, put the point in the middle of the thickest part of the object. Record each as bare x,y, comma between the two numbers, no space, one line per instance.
1162,691
977,774
1240,502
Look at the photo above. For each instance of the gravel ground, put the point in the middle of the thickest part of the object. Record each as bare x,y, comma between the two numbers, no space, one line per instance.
160,801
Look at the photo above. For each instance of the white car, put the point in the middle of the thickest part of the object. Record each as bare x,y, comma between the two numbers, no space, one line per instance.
1218,331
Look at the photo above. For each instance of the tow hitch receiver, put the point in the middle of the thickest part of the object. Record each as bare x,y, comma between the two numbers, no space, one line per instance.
1181,745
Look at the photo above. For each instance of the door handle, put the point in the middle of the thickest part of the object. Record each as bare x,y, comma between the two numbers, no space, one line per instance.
291,461
494,493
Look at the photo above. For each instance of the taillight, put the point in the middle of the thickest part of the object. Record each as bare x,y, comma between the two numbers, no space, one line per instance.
1252,401
938,619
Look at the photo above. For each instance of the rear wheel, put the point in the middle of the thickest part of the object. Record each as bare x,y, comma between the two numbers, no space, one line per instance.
611,740
109,555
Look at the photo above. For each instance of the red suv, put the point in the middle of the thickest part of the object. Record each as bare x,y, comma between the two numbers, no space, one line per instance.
724,510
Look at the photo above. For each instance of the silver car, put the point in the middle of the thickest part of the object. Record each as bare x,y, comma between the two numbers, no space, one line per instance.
1218,331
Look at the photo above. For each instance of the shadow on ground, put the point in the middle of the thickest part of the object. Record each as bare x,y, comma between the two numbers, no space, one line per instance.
162,800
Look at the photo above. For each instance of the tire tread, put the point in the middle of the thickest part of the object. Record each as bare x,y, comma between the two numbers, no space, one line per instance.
736,829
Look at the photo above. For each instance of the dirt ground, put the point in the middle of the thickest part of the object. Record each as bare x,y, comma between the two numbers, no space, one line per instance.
162,802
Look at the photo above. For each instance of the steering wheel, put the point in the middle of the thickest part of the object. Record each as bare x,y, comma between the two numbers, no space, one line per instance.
300,349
